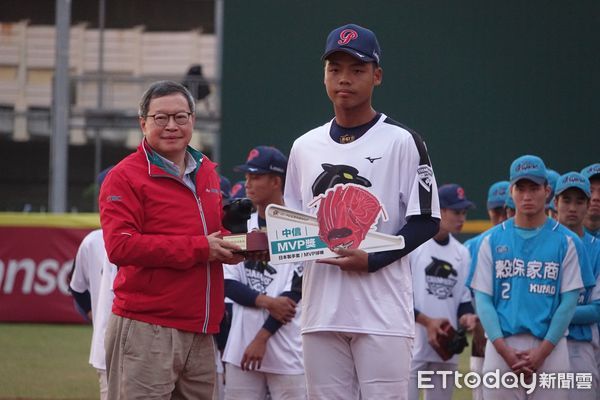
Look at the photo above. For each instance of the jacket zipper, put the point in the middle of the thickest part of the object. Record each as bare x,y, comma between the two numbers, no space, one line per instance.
203,219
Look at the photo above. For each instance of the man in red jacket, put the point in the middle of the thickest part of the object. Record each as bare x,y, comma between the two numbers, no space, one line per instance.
161,212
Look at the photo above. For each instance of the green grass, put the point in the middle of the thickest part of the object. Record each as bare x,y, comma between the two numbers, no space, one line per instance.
39,361
42,361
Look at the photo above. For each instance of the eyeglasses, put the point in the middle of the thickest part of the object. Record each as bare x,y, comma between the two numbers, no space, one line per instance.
181,118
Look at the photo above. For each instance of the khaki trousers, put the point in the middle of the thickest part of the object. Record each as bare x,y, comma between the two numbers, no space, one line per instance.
146,361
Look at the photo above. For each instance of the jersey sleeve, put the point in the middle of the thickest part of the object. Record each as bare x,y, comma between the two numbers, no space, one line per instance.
483,269
292,192
80,281
233,271
473,246
466,263
595,264
571,267
423,198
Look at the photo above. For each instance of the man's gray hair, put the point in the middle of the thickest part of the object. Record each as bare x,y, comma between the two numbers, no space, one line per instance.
161,89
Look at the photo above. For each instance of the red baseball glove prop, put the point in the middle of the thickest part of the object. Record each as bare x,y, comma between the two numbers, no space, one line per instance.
346,213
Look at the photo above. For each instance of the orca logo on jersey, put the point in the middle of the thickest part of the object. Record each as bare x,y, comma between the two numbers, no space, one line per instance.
255,274
439,277
335,174
347,35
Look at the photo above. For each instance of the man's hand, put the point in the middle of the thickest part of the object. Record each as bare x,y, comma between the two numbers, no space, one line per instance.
510,356
222,251
469,321
282,308
350,260
254,353
433,327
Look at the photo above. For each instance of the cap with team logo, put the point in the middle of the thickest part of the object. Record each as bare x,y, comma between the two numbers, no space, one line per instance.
528,167
552,179
355,40
225,188
238,190
591,171
497,194
573,180
264,160
453,196
510,203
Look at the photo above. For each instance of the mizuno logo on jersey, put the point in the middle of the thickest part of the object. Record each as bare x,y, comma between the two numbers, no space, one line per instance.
372,160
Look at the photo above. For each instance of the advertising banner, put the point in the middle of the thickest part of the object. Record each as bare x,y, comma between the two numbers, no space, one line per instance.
35,268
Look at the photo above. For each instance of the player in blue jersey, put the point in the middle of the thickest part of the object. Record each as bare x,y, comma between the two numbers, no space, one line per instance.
526,282
572,202
592,219
509,206
552,179
496,198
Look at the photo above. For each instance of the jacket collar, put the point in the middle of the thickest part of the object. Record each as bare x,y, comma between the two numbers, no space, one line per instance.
157,166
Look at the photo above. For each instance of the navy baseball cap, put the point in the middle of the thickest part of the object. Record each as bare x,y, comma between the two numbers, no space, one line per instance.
264,160
528,167
225,187
573,180
355,40
102,175
497,194
452,196
238,190
591,171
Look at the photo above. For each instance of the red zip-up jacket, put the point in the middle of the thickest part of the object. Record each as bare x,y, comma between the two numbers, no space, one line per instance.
155,231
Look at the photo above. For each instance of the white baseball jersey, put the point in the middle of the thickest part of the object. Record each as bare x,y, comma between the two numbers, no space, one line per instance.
102,314
439,273
90,263
393,164
284,348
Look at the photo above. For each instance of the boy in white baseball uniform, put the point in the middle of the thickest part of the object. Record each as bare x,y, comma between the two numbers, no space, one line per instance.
357,309
439,269
264,349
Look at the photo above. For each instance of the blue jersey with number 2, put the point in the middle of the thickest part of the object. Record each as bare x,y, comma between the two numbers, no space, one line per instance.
526,273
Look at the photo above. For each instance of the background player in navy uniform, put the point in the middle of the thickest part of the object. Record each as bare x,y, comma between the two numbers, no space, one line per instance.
357,314
439,269
592,218
572,200
264,349
527,280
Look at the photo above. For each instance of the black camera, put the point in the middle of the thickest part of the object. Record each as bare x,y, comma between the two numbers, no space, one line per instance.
236,215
